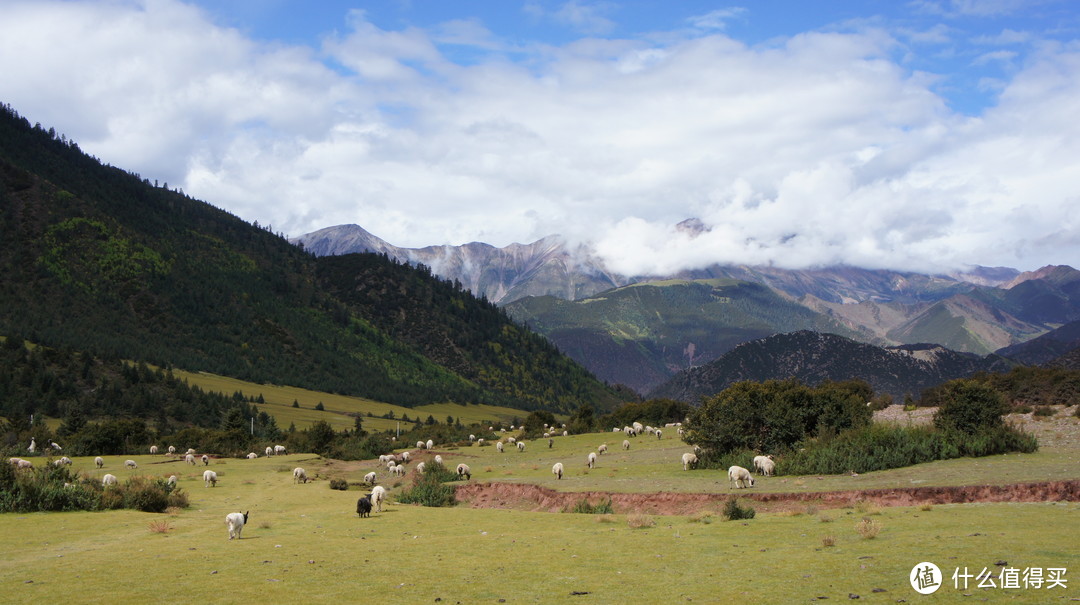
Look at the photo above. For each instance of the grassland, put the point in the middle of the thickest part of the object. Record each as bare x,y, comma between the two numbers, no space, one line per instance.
304,543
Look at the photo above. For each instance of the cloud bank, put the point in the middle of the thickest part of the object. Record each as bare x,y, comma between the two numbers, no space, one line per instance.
814,149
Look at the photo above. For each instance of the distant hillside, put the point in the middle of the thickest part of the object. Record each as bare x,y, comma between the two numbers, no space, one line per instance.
641,335
813,357
99,260
1046,348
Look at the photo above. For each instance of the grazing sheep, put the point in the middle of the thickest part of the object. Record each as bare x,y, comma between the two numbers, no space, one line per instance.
463,470
472,438
615,430
269,451
378,495
62,461
603,448
659,433
20,463
591,460
438,458
399,470
419,445
279,450
205,460
626,444
390,464
153,449
480,442
551,442
299,475
130,464
171,481
511,439
557,470
33,446
209,478
252,456
638,428
565,433
499,446
363,506
689,460
236,523
764,465
99,462
370,478
420,468
191,451
740,476
109,479
521,446
430,444
172,449
405,456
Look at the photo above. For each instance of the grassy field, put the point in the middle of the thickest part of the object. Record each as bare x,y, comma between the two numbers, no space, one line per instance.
337,408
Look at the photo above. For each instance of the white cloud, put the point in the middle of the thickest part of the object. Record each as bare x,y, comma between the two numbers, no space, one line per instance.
717,19
815,149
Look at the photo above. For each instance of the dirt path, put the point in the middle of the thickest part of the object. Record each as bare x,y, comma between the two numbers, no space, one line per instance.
535,498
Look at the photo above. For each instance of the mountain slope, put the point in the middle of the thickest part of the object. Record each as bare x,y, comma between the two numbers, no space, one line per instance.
1046,348
814,357
643,334
99,260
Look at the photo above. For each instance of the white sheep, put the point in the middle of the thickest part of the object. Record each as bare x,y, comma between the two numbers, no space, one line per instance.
602,449
32,447
190,459
764,465
405,456
130,464
659,433
205,460
480,442
638,428
511,439
62,461
171,481
99,462
299,475
378,494
390,464
463,470
472,438
420,468
153,449
370,478
269,451
557,470
279,450
252,456
565,433
740,476
190,450
689,459
172,449
615,430
499,446
236,522
591,459
438,459
399,470
419,445
209,478
109,479
521,446
626,444
430,444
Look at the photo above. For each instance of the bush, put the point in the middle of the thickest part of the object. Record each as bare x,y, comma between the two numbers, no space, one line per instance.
868,528
45,488
339,484
1045,410
970,406
583,507
147,495
734,512
429,488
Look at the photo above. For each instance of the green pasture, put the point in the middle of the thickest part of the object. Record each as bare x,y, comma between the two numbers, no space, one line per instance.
339,409
305,544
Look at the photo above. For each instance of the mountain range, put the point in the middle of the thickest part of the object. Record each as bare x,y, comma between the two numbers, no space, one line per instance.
642,330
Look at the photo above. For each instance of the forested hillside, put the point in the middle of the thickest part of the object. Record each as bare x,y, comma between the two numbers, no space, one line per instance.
99,260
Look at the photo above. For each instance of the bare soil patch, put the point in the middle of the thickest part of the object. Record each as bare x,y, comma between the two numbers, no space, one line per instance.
536,498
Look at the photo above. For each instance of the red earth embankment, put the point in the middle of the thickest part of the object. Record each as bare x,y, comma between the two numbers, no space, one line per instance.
535,498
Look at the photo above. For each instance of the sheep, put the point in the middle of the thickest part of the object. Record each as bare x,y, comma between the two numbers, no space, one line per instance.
764,465
430,444
420,468
54,445
399,470
591,459
252,456
24,464
172,449
191,451
659,433
99,462
205,460
472,438
480,442
269,451
689,459
171,481
615,430
153,449
236,522
521,446
740,476
190,459
626,444
32,447
499,446
463,470
551,442
565,433
390,464
209,478
419,445
438,459
511,439
363,506
130,464
370,478
405,456
109,479
602,449
378,495
638,428
62,461
557,470
279,450
299,475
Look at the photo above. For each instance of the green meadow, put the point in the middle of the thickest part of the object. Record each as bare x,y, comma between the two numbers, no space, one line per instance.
305,543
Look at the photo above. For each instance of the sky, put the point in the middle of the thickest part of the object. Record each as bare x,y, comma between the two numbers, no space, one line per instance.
923,135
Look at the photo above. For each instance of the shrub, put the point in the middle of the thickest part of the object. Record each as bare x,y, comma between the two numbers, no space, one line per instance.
868,528
583,507
640,521
734,512
970,407
828,541
159,527
429,488
1045,410
147,495
339,484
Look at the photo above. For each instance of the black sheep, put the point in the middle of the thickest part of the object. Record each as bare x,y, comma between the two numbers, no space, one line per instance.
363,506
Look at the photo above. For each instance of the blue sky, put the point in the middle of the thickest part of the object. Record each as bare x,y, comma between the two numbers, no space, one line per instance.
926,135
